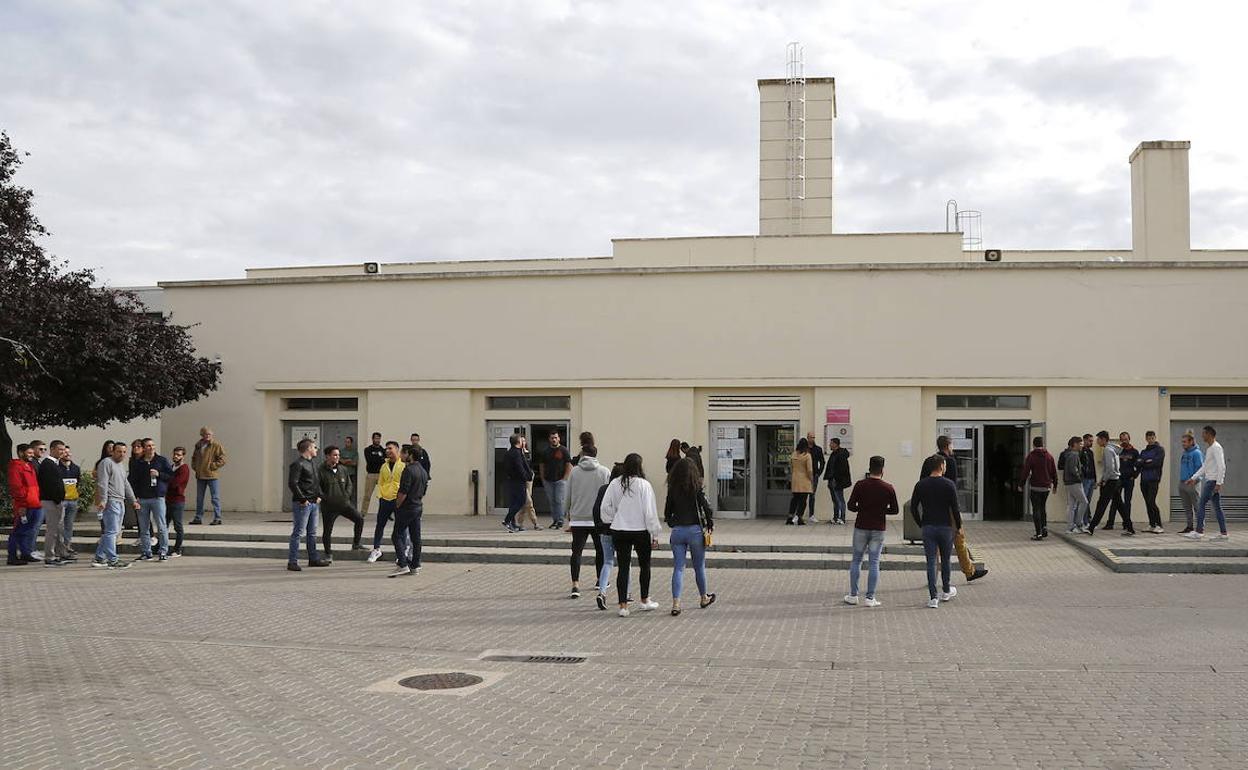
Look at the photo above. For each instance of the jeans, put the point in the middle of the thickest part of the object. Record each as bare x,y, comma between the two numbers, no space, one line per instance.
556,491
625,542
406,530
303,517
214,488
173,513
1039,510
149,508
1088,486
797,505
1109,498
35,517
1149,489
871,542
688,537
385,509
327,521
515,500
106,551
53,541
1208,491
1076,505
579,536
69,512
838,502
937,541
17,536
608,561
1191,500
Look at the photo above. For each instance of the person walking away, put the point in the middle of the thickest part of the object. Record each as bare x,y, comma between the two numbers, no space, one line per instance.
935,507
816,471
112,491
1087,459
872,499
1128,470
409,507
800,481
149,478
587,478
207,460
1109,496
24,491
839,477
51,495
1070,464
374,457
966,561
608,545
555,469
516,474
70,474
1212,473
388,476
305,496
688,514
175,498
1152,460
1039,475
528,513
673,456
1189,462
338,499
629,508
421,456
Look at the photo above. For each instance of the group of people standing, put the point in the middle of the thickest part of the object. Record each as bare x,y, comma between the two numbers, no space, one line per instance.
807,465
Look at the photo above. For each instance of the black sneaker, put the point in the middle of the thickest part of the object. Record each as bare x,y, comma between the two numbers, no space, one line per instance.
196,521
162,557
788,522
1128,533
294,567
1185,530
801,522
144,557
118,564
601,601
15,561
215,522
979,572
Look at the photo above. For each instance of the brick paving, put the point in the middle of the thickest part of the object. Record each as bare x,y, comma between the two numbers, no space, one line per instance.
1051,661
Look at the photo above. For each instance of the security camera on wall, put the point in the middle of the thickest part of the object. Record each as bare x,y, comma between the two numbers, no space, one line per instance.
992,255
372,268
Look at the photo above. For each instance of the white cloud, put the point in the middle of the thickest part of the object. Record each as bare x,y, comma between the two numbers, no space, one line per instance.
193,140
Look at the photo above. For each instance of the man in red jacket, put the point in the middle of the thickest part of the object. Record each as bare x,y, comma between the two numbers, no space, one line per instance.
175,497
1040,476
24,489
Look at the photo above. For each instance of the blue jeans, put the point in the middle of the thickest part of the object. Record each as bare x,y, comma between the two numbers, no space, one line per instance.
871,542
34,518
111,521
173,513
688,537
1208,491
69,512
1088,486
838,502
17,536
303,517
214,488
556,491
385,509
150,507
608,562
937,541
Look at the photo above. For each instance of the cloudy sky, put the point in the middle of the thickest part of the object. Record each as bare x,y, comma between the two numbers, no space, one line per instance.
177,140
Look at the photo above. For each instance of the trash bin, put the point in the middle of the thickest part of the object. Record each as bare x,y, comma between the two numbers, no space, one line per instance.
911,531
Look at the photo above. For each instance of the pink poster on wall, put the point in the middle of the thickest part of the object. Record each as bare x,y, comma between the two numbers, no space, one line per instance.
837,414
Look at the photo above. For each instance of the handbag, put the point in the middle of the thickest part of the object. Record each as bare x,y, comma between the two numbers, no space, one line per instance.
703,507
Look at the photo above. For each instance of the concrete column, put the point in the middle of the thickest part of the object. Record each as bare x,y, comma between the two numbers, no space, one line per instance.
1160,201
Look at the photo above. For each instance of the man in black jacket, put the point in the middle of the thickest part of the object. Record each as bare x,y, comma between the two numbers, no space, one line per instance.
516,471
374,456
305,496
817,463
338,499
51,494
838,476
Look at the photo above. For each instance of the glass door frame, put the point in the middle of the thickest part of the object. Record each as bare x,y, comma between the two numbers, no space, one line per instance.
978,426
711,463
524,426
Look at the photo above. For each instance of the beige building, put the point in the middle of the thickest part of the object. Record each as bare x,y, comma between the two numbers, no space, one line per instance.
741,344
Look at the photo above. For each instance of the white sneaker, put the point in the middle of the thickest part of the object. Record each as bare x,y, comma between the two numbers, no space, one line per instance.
933,604
650,605
374,555
400,571
851,599
1194,535
623,612
1220,537
1157,530
953,591
872,602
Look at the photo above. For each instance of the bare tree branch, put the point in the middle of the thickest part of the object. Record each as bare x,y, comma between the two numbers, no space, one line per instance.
23,351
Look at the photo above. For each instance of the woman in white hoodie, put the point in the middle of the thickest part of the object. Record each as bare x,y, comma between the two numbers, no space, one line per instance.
630,509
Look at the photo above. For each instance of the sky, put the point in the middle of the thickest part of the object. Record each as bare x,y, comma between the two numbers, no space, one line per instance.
185,140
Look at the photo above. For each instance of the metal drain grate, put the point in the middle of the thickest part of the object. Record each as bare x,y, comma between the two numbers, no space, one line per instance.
449,681
535,658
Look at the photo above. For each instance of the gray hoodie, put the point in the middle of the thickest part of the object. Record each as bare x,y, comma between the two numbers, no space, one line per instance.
588,476
1110,462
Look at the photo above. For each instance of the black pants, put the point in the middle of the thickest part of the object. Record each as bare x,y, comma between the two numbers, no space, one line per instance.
797,505
1126,490
1111,499
327,524
406,524
579,536
1150,489
624,543
1039,515
515,500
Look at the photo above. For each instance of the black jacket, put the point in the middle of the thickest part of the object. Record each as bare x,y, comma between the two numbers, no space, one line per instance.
374,456
817,461
681,509
516,467
305,485
51,482
422,457
837,472
337,489
1087,462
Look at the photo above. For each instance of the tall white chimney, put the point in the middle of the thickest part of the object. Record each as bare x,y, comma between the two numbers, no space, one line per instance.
788,206
1161,218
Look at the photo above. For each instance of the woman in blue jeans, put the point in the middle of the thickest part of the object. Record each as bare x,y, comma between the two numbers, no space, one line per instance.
934,505
687,512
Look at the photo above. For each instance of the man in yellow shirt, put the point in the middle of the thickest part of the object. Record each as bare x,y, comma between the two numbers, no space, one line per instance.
387,495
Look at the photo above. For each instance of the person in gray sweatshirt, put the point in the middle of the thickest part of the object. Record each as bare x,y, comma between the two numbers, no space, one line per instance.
1071,468
588,476
112,493
1111,487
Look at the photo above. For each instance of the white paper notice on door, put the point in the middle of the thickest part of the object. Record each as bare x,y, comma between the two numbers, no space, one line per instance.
723,469
300,432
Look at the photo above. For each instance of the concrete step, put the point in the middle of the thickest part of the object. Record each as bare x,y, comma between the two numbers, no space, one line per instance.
1130,555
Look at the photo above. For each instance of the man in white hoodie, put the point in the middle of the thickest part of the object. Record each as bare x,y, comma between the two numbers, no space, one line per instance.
588,476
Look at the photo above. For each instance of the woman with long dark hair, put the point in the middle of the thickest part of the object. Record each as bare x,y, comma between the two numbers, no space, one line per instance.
106,450
673,455
801,482
629,507
688,513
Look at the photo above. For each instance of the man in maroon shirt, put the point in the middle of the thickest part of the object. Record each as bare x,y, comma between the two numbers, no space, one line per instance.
1040,476
872,499
175,496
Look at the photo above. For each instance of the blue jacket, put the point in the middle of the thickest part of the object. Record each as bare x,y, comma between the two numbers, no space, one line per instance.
1152,457
1190,462
141,477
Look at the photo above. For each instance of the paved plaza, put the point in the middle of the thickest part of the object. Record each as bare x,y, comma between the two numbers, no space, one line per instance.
1051,661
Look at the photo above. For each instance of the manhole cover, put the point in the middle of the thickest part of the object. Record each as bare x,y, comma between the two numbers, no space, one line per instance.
449,681
535,658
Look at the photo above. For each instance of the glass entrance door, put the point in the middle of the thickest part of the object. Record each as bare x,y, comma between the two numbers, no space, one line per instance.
499,435
774,449
968,453
732,469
